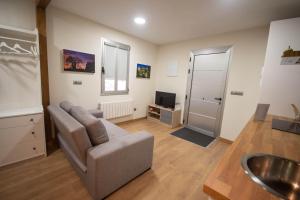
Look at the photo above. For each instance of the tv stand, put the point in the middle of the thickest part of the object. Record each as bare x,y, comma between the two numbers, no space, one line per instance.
166,116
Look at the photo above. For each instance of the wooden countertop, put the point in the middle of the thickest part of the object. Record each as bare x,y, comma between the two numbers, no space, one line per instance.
21,111
229,181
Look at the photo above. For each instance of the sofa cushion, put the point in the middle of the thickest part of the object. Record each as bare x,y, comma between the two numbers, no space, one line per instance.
95,128
72,131
66,106
113,131
96,113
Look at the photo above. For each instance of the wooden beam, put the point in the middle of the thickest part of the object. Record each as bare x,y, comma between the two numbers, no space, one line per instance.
42,3
41,26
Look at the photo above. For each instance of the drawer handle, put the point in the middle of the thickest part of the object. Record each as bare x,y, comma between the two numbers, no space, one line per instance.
31,119
32,132
34,148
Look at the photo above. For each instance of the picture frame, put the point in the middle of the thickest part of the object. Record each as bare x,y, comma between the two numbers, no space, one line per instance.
143,71
75,61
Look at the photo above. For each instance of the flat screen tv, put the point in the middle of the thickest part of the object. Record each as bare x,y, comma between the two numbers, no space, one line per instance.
165,99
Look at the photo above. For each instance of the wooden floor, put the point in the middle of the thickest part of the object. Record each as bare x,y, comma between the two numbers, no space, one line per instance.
178,172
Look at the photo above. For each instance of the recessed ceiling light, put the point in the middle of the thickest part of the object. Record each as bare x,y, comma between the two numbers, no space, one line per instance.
139,20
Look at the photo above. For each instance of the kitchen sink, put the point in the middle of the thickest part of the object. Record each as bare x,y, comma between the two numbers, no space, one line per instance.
277,175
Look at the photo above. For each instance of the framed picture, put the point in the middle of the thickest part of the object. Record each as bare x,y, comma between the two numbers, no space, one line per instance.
143,71
78,62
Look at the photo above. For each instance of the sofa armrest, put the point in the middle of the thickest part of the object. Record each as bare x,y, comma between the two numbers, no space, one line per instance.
113,164
96,113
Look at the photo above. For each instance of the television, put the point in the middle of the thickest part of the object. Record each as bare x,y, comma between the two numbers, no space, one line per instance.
165,99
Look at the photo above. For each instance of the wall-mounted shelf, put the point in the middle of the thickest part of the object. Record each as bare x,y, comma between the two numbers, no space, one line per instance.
30,35
18,42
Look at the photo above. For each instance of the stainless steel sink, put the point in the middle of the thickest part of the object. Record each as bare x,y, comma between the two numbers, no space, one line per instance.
278,175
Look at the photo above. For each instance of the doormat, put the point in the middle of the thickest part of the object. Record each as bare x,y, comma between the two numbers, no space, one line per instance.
193,136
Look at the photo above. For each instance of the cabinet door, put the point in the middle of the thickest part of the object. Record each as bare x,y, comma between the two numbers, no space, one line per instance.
17,144
20,121
166,116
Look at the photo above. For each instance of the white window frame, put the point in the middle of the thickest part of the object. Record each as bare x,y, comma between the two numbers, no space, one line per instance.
120,46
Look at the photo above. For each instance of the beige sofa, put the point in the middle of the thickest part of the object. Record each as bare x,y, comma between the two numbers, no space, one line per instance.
106,167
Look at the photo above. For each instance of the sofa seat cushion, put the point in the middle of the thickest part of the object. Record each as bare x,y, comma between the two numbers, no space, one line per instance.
113,131
95,128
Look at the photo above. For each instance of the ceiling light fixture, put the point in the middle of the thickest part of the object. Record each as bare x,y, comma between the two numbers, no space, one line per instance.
139,20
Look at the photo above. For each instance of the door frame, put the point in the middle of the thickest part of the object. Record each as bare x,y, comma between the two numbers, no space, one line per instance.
194,53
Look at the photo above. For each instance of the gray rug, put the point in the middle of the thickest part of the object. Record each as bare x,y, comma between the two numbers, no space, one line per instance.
193,136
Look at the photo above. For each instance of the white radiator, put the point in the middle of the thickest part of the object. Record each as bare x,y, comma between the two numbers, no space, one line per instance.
116,109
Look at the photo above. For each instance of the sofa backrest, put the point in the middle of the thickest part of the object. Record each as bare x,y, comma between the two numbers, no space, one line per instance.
71,131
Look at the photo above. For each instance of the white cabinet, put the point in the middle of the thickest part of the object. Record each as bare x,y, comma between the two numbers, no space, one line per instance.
21,137
21,113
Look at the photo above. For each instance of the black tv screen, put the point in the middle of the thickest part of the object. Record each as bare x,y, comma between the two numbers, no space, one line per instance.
165,99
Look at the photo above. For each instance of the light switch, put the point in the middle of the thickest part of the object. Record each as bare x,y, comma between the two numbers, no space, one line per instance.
238,93
77,82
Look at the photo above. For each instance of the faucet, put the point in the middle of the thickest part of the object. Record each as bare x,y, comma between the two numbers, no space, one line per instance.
297,112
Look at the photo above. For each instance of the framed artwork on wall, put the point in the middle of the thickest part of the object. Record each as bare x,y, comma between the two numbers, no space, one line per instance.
78,62
290,57
143,71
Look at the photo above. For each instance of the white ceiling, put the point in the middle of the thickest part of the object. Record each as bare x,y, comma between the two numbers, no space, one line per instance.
175,20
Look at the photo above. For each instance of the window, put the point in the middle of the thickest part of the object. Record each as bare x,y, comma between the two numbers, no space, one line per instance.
115,68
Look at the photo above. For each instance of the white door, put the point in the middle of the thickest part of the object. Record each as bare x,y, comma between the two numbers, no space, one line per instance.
206,91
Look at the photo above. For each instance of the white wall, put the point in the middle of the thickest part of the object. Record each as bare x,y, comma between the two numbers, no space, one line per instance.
247,58
18,13
280,85
68,31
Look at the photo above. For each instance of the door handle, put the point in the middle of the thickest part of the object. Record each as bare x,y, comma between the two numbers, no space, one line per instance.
218,99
